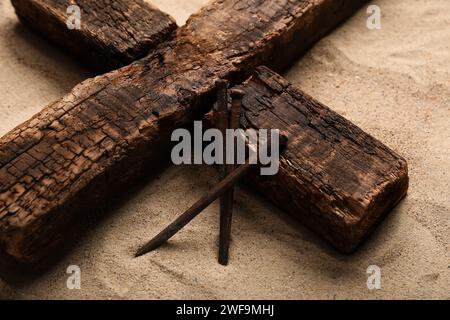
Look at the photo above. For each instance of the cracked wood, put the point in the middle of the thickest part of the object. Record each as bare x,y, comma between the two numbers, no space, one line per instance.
333,177
100,137
113,33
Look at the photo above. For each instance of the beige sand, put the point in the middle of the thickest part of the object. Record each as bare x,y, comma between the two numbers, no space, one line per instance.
393,83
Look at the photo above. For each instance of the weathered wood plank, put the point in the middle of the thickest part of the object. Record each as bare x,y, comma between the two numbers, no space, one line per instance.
333,177
113,33
79,151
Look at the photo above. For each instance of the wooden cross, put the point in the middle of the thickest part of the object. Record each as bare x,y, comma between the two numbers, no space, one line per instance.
108,131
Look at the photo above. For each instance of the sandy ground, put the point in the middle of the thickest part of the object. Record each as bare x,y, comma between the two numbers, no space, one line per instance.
394,83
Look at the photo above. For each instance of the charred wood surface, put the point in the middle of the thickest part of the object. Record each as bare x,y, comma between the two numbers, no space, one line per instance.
76,153
333,177
113,33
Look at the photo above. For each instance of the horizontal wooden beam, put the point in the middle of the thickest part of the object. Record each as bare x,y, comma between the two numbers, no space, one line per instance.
112,34
333,177
78,152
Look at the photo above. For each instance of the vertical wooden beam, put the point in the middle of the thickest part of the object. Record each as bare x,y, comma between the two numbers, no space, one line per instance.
112,34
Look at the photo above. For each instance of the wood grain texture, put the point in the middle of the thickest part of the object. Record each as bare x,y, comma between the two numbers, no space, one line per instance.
75,154
333,177
113,33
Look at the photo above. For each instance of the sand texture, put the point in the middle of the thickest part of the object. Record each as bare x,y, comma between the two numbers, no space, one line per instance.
394,83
